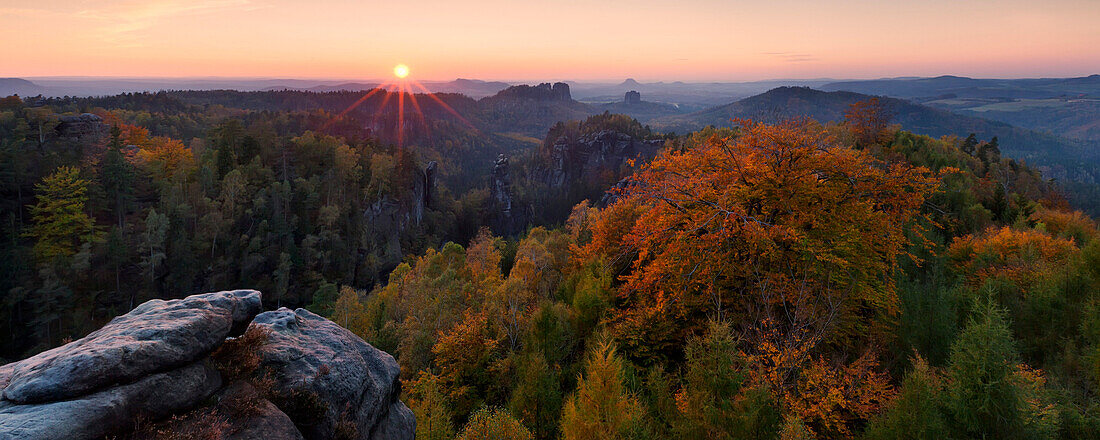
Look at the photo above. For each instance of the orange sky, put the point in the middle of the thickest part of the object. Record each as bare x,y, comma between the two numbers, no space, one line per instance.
688,40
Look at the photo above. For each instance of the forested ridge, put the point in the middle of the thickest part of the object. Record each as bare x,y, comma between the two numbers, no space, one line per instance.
797,280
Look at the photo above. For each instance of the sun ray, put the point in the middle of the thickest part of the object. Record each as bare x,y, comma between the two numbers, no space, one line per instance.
401,86
444,104
401,112
381,108
419,112
357,103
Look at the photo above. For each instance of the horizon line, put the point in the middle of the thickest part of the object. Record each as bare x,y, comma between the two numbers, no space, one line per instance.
524,81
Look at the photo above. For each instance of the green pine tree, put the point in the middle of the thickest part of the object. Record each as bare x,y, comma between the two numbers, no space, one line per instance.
116,174
60,223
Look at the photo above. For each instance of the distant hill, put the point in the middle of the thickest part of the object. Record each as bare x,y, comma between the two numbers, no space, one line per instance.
343,87
19,86
469,87
1067,107
531,110
109,86
1062,156
638,109
686,97
963,87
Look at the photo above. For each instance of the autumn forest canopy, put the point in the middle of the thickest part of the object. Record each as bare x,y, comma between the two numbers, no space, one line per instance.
542,272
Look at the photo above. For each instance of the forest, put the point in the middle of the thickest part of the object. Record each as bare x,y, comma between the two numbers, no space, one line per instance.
789,280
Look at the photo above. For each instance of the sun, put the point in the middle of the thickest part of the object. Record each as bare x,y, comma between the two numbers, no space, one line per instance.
401,71
401,88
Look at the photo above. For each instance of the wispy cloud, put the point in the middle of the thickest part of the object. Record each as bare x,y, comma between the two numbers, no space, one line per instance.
122,23
792,57
25,13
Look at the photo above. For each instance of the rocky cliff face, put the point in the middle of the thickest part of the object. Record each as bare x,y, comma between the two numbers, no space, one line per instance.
389,218
594,156
571,169
531,110
82,128
207,366
542,92
509,216
632,97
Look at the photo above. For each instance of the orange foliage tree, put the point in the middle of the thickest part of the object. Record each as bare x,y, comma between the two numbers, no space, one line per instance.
165,156
868,121
1020,256
1064,224
832,400
775,228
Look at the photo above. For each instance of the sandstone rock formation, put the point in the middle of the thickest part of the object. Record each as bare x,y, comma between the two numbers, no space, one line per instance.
111,411
572,160
568,169
155,336
300,376
632,97
240,412
388,218
355,384
83,127
509,217
542,92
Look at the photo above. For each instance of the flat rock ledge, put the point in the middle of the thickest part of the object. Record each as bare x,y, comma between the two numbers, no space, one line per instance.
209,366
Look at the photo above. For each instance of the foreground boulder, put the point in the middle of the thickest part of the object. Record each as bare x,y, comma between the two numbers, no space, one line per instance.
333,383
112,410
156,336
162,369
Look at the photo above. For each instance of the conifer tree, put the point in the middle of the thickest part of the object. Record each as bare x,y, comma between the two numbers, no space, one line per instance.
602,407
116,175
60,223
984,392
917,413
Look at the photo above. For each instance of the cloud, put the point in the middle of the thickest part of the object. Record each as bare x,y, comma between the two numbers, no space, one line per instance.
122,23
26,13
792,57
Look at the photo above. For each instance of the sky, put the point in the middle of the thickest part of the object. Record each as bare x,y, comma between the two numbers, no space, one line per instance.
512,40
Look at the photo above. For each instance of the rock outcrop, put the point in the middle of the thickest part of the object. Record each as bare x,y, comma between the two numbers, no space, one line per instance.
388,218
585,158
240,412
113,410
569,168
632,97
313,378
83,127
509,217
350,385
542,92
156,336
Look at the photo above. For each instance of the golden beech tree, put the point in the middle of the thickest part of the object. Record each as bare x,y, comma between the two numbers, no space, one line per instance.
832,400
468,358
868,121
778,229
1024,257
1065,224
165,156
